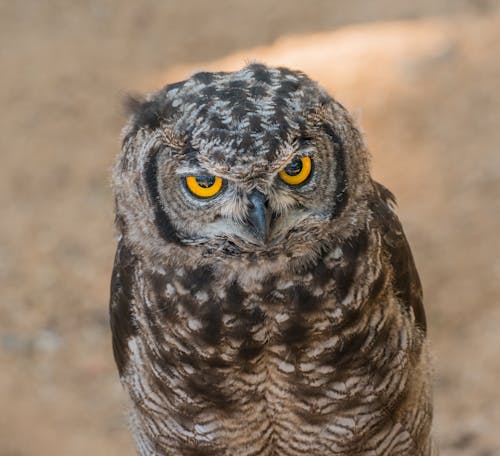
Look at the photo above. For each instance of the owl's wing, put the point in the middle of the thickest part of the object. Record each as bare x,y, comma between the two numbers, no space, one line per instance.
406,280
121,297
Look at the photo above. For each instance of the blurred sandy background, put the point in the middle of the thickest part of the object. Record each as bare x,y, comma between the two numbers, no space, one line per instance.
423,79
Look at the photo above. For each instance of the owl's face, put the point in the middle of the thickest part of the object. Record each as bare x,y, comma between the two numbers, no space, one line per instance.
255,211
256,160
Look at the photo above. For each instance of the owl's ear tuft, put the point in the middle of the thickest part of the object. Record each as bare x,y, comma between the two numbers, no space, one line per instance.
132,103
385,194
145,113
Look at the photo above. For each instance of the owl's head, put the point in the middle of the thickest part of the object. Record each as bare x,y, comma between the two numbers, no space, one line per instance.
259,160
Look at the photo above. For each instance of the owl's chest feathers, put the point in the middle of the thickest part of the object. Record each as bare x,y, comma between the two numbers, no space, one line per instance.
297,351
240,313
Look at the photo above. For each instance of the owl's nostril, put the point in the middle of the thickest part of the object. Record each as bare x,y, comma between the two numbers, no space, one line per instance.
257,198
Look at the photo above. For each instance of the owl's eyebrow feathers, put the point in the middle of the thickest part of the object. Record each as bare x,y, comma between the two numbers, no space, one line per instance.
190,165
188,169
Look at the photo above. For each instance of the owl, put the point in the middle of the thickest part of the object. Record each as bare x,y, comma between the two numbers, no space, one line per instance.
264,299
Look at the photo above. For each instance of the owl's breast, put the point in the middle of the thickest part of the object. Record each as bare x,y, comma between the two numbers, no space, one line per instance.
303,363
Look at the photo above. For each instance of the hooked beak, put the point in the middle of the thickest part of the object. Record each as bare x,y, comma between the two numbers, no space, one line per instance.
258,216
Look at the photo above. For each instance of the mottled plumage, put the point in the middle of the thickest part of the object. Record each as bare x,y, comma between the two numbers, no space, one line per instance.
270,319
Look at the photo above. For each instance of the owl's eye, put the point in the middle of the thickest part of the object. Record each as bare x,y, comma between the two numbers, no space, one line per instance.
204,186
296,172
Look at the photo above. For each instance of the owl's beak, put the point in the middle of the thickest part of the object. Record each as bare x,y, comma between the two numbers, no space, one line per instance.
258,216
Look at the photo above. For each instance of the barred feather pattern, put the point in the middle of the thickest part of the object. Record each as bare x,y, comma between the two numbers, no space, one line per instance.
321,376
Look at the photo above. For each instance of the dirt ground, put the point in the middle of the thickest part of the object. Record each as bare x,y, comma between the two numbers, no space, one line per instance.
423,79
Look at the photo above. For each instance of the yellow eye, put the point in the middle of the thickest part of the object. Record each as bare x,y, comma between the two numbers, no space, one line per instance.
204,186
297,172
